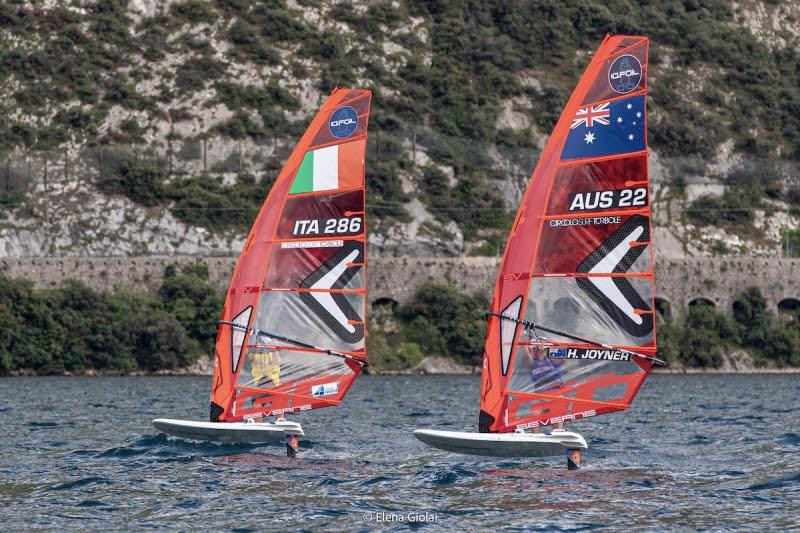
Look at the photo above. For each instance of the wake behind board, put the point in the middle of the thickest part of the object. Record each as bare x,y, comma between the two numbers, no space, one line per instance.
229,432
503,444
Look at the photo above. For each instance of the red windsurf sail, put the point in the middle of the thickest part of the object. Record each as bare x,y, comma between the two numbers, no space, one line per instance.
291,336
572,329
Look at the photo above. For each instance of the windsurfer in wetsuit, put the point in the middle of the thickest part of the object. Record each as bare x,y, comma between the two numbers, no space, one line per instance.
545,375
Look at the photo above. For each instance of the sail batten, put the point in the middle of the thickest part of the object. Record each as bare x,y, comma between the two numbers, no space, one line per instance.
302,273
579,257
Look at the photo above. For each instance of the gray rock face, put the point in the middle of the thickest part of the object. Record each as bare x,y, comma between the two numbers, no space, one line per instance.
66,214
442,365
424,236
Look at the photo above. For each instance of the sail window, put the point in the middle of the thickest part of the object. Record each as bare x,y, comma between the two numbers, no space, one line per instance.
238,335
508,330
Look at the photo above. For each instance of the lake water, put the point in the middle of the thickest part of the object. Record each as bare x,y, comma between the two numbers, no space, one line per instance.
719,452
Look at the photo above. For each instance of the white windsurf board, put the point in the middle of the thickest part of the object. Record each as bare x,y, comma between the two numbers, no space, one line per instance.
229,432
503,444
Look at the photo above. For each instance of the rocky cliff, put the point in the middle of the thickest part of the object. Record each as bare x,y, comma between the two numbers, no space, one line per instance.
155,127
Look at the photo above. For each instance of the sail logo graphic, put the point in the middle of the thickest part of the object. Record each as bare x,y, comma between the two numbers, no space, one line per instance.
587,116
290,409
557,353
590,353
625,74
516,276
616,295
327,226
326,389
616,127
590,221
334,308
616,198
569,417
343,122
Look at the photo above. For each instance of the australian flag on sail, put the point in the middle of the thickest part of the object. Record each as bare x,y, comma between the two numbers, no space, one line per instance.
606,129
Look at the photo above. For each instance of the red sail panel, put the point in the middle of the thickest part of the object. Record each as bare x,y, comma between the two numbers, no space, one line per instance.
578,260
301,276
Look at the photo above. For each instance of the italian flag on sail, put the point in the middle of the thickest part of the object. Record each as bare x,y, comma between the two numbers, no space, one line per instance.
334,167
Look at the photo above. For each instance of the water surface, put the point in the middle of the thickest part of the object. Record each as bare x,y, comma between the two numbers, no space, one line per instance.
718,452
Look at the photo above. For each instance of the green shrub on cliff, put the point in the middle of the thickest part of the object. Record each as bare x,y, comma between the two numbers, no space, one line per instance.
701,339
75,329
444,321
747,186
704,334
201,200
713,79
384,356
770,337
134,175
731,208
205,201
187,298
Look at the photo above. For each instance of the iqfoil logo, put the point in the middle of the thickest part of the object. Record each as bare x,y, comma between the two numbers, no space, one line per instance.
343,122
625,74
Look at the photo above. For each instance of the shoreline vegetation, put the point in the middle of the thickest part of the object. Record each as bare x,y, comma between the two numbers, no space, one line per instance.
192,372
73,330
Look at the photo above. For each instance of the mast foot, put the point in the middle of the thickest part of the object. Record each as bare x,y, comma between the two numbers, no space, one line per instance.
292,445
574,459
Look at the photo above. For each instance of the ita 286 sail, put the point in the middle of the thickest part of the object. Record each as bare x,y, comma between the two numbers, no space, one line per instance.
579,261
291,336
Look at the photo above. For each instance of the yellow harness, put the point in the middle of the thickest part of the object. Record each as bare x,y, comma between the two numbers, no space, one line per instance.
266,366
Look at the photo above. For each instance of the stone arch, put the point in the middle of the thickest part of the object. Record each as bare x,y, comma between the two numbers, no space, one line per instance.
384,302
663,308
789,306
382,316
702,301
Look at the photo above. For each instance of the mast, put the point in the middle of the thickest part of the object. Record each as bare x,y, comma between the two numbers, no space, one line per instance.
571,332
291,337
